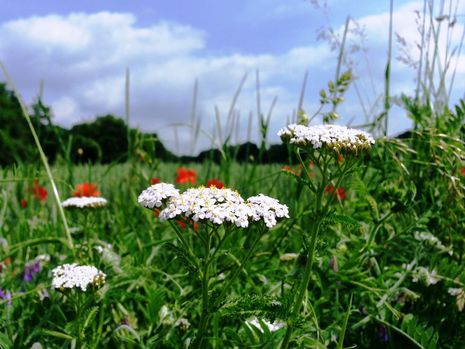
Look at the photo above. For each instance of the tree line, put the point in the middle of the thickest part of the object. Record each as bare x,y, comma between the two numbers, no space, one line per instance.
105,140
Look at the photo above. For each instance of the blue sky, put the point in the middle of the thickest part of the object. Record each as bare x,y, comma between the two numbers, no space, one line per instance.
81,49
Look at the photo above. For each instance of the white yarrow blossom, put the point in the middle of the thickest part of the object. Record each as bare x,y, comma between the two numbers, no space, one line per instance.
84,202
157,194
272,326
213,204
268,209
339,138
68,276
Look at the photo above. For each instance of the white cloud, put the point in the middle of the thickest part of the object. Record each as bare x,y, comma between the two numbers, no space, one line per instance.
83,57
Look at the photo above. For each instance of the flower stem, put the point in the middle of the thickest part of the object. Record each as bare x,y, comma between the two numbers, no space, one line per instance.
304,284
205,314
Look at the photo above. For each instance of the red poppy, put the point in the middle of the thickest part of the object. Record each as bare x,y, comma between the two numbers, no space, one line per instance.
185,175
86,189
462,171
215,183
182,223
155,181
23,203
340,192
38,192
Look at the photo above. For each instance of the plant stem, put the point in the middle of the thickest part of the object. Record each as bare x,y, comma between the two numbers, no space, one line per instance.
205,314
304,283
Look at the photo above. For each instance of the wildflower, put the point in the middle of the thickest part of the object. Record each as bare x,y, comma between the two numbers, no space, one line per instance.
215,205
84,202
155,180
109,256
425,276
86,190
5,296
272,326
166,315
215,183
383,334
338,138
70,276
34,267
267,208
157,194
183,324
287,257
183,224
186,175
459,293
462,171
38,192
43,293
432,241
340,192
23,203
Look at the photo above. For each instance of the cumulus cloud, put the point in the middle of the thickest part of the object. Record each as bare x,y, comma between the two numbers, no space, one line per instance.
82,59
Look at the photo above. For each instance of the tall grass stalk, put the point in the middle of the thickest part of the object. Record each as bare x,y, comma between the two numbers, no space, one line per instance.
43,157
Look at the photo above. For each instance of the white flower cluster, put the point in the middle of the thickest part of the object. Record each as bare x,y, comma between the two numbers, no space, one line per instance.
432,240
68,276
338,138
427,277
215,205
459,293
157,194
84,202
272,326
268,209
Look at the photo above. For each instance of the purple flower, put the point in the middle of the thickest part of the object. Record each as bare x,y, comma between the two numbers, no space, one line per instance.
383,334
31,269
5,296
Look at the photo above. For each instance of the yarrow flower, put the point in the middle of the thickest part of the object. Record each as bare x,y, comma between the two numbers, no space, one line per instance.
338,138
157,194
268,209
86,189
84,202
215,205
212,204
70,276
272,326
186,175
